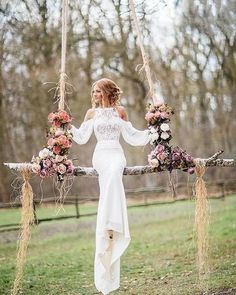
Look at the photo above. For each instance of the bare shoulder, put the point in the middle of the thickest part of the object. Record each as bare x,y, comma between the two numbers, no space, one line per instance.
122,113
89,114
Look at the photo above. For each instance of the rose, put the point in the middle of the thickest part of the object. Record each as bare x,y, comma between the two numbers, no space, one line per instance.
157,114
64,117
44,153
68,163
154,162
59,158
43,173
61,140
61,169
190,170
56,123
51,142
51,117
67,144
36,168
149,116
159,148
70,170
47,163
176,156
164,135
188,158
165,127
56,149
162,156
165,115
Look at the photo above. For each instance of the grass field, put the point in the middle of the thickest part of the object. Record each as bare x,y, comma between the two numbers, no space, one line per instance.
159,261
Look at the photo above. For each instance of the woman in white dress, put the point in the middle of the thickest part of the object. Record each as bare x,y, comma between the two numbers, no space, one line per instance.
108,120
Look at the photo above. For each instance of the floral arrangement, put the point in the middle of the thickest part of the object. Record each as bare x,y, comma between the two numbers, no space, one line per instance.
53,158
164,156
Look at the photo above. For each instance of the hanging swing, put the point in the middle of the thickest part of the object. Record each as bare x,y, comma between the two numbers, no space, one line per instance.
53,159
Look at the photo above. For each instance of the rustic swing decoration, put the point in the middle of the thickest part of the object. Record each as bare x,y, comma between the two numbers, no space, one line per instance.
53,159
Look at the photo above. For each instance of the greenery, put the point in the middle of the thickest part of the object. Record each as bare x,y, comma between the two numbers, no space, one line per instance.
160,259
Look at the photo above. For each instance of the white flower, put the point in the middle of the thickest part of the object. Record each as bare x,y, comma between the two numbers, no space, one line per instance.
152,130
154,163
165,135
35,168
44,153
154,136
165,127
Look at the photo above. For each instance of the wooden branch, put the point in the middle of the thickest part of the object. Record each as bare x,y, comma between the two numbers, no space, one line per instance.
139,170
135,170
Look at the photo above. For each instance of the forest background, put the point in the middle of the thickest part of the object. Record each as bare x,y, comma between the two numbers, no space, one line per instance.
191,46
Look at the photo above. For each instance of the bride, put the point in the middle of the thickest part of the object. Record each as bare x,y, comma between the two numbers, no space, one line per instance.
108,120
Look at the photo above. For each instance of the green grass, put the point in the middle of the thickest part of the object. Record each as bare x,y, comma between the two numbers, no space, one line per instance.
160,259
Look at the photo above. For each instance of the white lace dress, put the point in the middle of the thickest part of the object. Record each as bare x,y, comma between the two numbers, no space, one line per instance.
109,161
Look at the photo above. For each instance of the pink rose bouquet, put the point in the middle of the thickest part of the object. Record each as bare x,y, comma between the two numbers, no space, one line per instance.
53,158
164,156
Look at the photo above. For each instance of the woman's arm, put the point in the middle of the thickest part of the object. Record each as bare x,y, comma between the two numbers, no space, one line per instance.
82,134
130,134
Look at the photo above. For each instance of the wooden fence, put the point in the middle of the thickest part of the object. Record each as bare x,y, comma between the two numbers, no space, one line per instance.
135,198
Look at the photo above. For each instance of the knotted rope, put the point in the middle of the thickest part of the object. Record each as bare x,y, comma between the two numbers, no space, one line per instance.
62,81
27,215
27,218
144,56
201,224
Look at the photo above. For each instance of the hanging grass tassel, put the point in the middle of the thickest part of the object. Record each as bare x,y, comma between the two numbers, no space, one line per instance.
27,218
201,225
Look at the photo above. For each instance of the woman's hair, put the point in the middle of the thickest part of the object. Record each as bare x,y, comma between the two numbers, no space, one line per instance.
109,89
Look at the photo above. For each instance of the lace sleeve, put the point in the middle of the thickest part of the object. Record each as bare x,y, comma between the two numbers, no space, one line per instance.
82,134
133,136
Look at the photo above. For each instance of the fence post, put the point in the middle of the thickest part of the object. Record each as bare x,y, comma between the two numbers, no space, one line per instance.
35,215
222,184
77,207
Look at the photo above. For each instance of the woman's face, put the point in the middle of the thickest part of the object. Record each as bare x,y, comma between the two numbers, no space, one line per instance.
97,95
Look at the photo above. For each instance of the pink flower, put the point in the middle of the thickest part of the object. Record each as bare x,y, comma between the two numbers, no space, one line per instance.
189,158
43,173
61,169
149,116
59,158
56,149
56,123
47,163
51,142
61,140
157,114
64,117
68,163
176,156
51,117
70,170
191,170
159,148
162,156
165,115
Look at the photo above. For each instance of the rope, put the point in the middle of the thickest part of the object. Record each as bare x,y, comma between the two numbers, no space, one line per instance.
201,225
27,219
144,55
62,81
